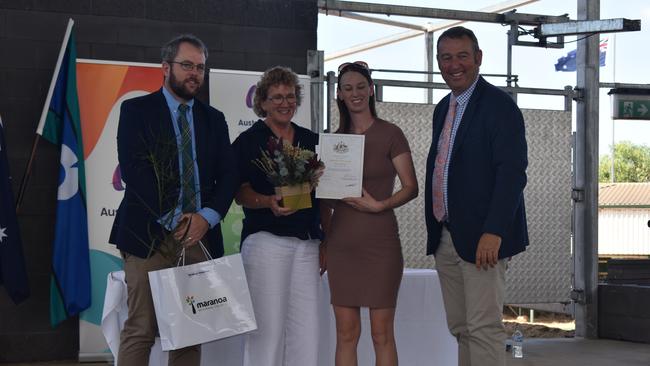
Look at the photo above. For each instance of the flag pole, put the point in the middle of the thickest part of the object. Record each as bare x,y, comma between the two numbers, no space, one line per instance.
41,122
28,171
46,106
612,170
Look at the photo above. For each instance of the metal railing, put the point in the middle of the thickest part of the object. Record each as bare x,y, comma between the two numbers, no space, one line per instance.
568,93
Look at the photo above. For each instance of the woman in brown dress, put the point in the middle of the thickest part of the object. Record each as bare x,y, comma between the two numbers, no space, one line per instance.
363,250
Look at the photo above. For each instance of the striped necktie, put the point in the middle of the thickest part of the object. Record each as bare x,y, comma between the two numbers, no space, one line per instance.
439,207
188,182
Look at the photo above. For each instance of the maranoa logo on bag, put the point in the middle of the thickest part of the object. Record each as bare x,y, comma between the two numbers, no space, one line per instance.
205,304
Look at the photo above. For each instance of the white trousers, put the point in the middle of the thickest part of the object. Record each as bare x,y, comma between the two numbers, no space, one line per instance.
283,277
474,304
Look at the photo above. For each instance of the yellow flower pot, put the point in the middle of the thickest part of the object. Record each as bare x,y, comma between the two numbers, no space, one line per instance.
295,197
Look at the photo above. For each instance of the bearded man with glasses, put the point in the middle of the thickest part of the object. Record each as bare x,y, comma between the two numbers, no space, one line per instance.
172,129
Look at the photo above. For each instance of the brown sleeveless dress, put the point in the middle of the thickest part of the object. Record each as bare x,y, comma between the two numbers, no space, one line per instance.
364,254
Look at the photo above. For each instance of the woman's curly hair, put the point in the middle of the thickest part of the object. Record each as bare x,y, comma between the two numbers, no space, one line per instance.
278,75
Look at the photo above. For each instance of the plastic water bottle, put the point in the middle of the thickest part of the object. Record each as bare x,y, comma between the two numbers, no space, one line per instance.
517,344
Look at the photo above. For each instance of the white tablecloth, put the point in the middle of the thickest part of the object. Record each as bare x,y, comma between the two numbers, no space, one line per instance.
420,327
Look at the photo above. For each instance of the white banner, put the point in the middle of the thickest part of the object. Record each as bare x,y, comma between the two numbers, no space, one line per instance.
102,86
232,93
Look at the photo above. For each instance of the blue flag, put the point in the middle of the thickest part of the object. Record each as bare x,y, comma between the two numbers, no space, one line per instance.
568,62
70,286
13,274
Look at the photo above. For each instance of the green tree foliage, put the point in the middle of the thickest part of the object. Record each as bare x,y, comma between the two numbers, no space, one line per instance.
631,163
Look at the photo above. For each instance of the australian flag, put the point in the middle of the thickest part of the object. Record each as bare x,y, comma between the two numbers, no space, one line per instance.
70,291
568,62
13,274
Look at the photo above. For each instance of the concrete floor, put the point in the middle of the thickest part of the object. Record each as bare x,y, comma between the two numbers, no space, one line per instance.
537,352
582,352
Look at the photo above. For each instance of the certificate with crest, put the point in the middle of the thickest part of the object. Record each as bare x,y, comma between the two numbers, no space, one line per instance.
343,158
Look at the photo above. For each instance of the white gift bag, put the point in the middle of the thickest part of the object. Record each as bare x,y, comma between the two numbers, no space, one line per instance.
202,302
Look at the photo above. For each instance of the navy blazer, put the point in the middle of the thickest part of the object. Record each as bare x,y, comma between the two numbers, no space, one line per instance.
487,175
145,129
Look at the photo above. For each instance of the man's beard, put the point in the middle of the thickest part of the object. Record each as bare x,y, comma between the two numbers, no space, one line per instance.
178,87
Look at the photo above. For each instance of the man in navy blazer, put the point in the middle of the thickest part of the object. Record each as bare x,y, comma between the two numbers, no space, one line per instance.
474,202
180,174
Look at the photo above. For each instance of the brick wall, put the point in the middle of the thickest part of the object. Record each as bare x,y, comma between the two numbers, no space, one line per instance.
241,34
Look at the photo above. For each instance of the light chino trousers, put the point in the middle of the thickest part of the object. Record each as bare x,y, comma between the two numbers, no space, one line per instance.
140,328
283,278
474,305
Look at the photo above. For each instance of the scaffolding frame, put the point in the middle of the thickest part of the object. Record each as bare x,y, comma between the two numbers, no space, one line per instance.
586,95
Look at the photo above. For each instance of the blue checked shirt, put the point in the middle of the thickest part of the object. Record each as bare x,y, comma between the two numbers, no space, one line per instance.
461,101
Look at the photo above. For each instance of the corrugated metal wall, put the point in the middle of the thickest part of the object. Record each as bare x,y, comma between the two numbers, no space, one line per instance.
543,273
623,231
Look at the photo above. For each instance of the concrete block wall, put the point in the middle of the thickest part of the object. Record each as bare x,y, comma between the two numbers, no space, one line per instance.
241,34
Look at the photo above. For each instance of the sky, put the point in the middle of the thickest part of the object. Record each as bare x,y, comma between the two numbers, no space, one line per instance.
626,60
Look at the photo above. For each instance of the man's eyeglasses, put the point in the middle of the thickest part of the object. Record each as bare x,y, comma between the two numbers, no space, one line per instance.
361,64
278,99
188,66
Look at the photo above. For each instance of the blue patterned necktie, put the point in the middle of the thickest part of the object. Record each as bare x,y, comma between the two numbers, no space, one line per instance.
188,186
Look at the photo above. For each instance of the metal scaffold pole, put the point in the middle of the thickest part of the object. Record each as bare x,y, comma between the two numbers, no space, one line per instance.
585,190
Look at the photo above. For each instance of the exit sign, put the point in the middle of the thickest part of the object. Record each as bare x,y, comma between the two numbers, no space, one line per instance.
631,104
633,109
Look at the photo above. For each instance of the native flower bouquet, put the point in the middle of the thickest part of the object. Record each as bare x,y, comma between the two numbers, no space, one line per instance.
292,170
160,156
